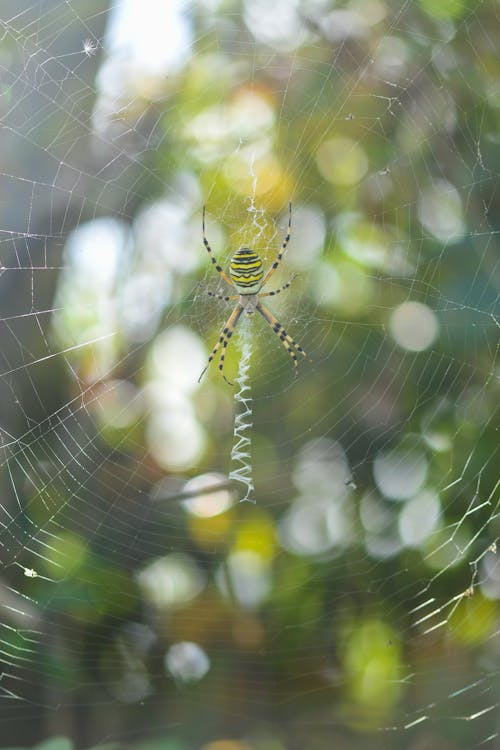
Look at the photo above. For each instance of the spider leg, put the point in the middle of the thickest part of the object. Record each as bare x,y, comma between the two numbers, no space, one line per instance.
224,337
290,345
281,289
282,249
222,296
212,256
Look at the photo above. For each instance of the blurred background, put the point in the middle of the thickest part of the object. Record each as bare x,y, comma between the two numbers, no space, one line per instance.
352,601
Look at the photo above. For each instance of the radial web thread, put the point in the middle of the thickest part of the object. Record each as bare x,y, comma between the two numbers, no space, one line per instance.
241,451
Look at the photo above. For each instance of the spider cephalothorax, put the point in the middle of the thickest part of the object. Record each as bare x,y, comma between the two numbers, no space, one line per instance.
246,275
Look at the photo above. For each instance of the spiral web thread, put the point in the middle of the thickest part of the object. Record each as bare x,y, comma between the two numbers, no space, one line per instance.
241,451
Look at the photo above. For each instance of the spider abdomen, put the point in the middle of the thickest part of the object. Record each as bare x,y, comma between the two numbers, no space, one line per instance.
246,271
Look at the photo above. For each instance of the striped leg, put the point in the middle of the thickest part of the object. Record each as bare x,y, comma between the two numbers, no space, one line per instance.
283,248
224,337
212,256
222,296
290,345
281,289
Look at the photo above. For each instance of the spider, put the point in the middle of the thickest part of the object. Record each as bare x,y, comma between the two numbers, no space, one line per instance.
246,275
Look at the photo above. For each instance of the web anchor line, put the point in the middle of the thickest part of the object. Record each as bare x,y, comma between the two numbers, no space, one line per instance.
241,451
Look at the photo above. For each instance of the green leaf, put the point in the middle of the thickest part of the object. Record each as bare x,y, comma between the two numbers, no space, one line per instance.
445,9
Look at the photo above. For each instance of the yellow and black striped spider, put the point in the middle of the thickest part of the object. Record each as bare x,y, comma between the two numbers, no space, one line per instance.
246,275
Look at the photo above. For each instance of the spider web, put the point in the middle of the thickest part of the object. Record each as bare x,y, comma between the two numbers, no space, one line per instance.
354,603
